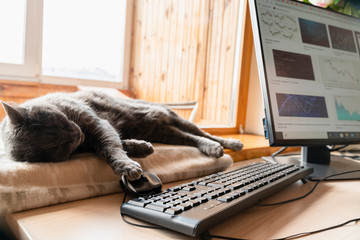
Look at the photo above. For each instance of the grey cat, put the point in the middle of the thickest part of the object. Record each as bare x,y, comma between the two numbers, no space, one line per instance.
52,127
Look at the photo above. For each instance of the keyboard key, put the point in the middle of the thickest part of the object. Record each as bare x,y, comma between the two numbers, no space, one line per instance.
164,201
174,210
184,206
174,189
247,188
219,192
189,188
202,199
183,199
174,203
212,195
204,183
194,203
200,194
226,198
172,198
158,206
139,202
235,186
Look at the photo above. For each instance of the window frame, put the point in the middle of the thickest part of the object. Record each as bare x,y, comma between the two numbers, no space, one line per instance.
31,70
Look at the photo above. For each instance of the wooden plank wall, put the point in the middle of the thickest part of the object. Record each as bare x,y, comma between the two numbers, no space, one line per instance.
18,92
184,51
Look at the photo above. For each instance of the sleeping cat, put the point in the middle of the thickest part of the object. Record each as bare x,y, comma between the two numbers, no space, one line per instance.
52,127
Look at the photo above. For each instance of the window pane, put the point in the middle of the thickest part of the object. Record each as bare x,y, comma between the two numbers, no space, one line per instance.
186,51
83,39
12,29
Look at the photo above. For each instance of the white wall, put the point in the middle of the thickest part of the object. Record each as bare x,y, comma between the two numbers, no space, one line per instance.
255,106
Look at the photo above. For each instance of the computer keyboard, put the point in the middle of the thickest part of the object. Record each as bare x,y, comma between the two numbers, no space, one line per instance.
196,206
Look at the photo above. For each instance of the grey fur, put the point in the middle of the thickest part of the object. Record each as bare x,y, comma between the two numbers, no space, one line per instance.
52,127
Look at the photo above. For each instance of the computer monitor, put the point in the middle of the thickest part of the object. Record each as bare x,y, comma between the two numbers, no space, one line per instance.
309,68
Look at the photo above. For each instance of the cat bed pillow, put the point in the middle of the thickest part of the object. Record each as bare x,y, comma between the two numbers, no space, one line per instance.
30,185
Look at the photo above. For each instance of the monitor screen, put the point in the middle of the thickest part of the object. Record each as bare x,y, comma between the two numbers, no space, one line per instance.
309,68
311,65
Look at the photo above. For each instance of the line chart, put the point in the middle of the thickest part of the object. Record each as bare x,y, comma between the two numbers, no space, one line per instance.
294,105
340,72
279,25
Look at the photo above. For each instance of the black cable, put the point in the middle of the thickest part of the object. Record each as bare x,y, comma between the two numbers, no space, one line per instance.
333,148
135,224
352,156
289,200
320,230
209,236
278,152
306,194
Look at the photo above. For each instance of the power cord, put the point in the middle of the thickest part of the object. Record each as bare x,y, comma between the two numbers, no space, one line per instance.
308,193
333,148
208,236
278,152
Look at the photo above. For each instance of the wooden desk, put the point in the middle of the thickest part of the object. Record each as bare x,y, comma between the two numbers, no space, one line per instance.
98,218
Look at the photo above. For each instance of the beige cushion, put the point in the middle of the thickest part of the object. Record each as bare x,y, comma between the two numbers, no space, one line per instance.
31,185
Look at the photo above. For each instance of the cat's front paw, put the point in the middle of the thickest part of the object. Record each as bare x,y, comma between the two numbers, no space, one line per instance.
131,169
233,144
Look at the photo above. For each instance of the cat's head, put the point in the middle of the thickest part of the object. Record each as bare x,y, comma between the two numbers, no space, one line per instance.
39,134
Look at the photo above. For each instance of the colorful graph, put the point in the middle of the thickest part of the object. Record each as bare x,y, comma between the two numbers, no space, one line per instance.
340,73
294,105
347,108
279,25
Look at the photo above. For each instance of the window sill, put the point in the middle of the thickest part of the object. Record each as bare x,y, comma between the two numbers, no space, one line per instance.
254,147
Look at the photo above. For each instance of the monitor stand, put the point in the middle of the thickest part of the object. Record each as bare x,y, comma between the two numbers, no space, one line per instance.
323,162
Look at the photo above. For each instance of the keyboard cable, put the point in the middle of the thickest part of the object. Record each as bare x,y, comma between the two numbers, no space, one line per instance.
136,224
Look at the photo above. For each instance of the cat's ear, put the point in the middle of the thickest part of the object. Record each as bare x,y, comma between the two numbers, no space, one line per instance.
13,114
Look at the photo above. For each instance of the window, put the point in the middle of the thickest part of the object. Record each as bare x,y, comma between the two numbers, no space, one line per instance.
64,41
13,35
184,51
19,48
181,51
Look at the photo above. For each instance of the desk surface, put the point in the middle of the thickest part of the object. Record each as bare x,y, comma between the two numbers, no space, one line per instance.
332,203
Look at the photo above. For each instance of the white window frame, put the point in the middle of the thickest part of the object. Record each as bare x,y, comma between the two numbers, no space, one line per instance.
31,70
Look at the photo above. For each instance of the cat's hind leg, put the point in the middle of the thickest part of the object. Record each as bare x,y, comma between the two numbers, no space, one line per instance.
190,127
172,135
137,148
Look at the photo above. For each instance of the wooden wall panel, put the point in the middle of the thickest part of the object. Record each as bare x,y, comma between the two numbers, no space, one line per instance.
184,51
18,92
